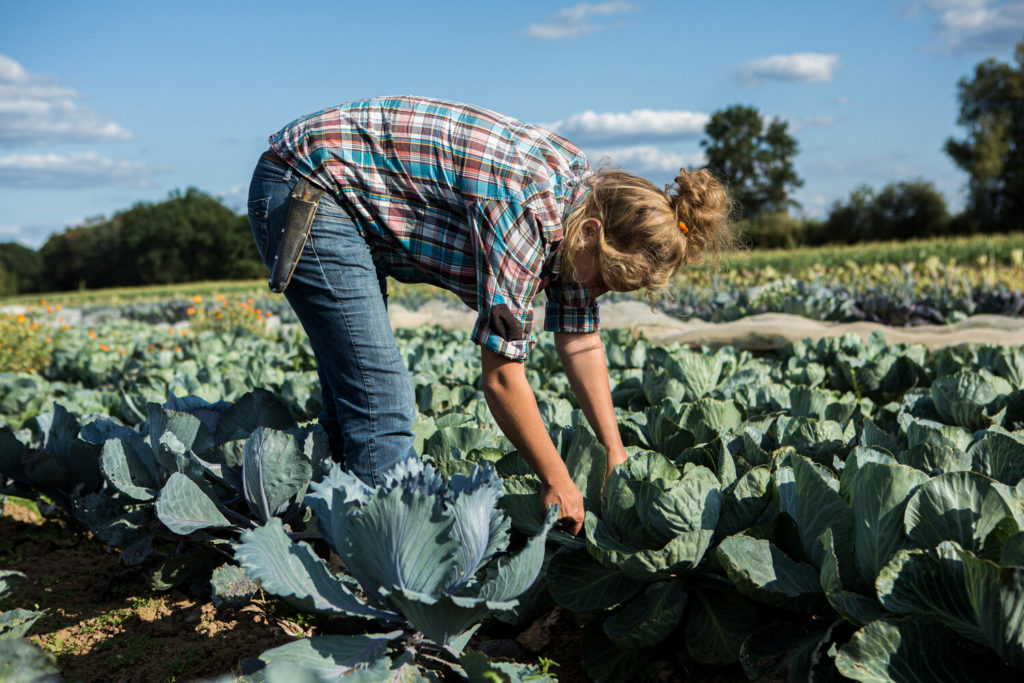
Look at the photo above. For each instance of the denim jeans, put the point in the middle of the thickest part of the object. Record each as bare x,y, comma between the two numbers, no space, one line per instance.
341,301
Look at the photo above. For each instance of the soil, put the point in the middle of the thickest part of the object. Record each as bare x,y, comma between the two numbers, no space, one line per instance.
105,623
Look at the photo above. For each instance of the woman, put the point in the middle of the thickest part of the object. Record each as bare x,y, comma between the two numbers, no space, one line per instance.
490,208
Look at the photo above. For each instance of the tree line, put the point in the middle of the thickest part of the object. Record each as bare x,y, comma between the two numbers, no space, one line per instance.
186,238
192,236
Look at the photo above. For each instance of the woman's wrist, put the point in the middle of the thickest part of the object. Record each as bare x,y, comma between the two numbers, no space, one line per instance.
555,477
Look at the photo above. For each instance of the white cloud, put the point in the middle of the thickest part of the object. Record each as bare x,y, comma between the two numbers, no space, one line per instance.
639,124
573,21
820,121
71,171
647,158
34,110
975,25
805,67
235,198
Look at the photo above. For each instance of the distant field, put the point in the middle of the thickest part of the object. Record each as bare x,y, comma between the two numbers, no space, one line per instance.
1001,255
966,250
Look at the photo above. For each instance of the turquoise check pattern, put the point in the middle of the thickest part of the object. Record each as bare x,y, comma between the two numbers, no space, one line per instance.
456,196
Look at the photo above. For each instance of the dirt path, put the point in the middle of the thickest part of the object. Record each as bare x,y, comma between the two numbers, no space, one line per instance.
765,331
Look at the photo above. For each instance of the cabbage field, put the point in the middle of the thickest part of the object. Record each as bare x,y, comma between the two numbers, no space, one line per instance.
832,510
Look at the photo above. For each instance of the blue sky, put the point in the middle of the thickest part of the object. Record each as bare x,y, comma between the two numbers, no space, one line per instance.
105,104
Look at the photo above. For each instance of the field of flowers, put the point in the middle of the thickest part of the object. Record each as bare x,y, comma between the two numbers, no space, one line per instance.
844,509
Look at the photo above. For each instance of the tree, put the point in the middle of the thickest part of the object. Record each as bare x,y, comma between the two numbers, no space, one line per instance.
909,209
756,161
24,268
8,282
992,154
189,237
900,211
851,221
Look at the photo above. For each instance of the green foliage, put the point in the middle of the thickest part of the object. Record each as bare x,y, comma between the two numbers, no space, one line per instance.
186,238
844,495
21,269
992,112
755,159
424,554
25,345
775,229
899,211
8,281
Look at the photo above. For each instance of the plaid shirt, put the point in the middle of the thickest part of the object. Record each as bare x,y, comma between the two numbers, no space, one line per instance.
455,196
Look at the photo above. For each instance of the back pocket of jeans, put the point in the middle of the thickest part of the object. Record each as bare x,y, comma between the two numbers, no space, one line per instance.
258,210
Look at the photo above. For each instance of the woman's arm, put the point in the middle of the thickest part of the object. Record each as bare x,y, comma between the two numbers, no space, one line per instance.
511,400
583,358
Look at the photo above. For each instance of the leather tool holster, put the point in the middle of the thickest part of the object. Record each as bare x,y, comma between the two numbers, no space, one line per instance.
302,206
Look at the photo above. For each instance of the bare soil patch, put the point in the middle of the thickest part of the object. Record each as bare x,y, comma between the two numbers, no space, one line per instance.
104,623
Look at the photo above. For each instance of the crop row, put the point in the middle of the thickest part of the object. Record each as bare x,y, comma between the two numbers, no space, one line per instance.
837,508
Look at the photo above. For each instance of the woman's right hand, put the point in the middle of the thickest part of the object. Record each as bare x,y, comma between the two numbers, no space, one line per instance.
564,493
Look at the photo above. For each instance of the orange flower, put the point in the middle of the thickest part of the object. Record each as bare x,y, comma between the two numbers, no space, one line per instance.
104,348
268,314
184,332
59,307
249,300
177,349
49,340
220,297
196,299
21,318
170,330
42,302
49,309
191,310
67,327
151,347
122,352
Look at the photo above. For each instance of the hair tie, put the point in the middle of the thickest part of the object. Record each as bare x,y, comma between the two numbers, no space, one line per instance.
682,226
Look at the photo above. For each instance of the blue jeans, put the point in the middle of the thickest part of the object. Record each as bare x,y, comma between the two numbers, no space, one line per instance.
341,301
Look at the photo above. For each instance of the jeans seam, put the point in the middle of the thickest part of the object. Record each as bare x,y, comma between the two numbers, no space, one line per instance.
371,407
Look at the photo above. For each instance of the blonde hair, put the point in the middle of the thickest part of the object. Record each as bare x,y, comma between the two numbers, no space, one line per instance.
641,243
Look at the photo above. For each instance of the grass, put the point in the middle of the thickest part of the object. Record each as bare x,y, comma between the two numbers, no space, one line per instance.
116,295
124,651
24,503
184,664
962,250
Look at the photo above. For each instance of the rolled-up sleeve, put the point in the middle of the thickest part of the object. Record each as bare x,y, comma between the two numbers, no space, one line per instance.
569,308
509,256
